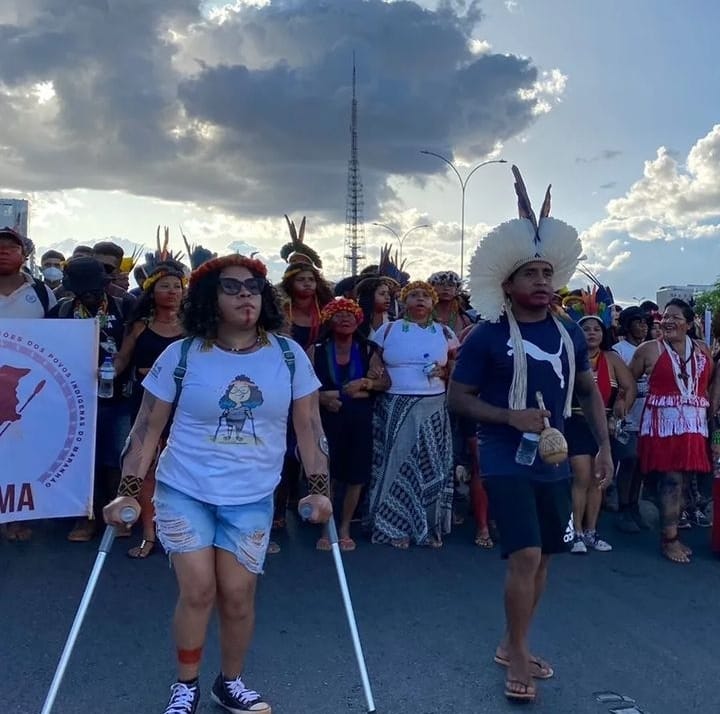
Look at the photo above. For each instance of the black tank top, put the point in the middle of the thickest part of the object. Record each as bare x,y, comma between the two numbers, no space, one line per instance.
149,346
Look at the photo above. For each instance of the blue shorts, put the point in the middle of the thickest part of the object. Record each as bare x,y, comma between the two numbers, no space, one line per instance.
185,525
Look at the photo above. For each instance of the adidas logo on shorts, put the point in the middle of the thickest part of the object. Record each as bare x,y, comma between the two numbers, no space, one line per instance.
569,531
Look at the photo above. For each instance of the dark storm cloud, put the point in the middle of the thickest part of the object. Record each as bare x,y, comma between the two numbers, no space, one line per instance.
250,114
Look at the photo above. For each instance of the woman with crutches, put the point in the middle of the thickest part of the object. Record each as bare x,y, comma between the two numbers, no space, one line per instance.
214,493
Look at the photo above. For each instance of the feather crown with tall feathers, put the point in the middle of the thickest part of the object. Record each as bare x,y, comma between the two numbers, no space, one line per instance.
197,255
162,253
297,251
594,301
517,242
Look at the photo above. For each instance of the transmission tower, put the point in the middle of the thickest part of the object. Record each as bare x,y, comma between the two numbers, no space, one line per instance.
354,226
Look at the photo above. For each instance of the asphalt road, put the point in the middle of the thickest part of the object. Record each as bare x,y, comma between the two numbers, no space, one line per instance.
627,622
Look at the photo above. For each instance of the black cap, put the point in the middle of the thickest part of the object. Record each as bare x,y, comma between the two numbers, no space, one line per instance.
84,275
631,313
15,235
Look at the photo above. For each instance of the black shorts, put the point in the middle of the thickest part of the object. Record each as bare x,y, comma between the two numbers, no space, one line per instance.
530,514
579,438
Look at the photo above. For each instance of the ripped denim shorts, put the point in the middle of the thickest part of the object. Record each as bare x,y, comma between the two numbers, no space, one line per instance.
185,525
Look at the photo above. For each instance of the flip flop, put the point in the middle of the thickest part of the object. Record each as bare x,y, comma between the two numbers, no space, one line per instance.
140,552
485,542
323,544
347,544
542,670
525,696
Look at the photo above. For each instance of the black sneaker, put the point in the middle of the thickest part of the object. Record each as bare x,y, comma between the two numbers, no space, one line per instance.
237,698
684,521
698,518
183,699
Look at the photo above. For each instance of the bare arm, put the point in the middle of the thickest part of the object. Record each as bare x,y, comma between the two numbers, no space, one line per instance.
639,362
591,402
626,383
142,443
124,356
310,438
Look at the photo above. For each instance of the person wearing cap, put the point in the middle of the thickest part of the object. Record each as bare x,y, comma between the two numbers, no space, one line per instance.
21,297
87,280
351,373
522,350
222,462
633,328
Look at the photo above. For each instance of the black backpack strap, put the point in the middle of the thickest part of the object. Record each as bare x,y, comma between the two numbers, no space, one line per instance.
179,373
41,291
289,357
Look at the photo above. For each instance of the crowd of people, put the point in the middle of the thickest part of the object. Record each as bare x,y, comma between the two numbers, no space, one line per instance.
235,398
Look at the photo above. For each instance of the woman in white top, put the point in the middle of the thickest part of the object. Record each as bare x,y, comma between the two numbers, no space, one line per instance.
411,489
232,382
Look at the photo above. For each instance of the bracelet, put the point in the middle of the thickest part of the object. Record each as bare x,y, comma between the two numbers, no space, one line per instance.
319,484
130,486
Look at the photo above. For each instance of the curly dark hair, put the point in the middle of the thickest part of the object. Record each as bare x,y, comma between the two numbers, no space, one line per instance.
365,290
323,291
146,301
201,315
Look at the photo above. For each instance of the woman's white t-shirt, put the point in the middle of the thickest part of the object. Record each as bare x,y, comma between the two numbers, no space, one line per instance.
408,349
228,438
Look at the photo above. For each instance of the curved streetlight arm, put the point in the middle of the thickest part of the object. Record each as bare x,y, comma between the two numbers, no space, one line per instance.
387,228
484,163
414,228
448,162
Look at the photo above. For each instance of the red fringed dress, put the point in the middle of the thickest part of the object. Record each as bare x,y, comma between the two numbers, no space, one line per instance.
674,426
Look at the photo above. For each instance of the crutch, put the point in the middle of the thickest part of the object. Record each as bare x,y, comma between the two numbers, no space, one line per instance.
305,513
128,515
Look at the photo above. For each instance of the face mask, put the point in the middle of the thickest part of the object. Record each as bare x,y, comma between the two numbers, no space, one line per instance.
53,274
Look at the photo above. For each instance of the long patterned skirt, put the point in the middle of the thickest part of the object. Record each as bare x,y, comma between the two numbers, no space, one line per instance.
411,489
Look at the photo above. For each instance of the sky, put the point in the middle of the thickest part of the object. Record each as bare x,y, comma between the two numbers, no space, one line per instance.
117,116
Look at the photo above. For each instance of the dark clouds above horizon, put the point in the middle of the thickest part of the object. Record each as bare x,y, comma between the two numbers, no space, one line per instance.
249,114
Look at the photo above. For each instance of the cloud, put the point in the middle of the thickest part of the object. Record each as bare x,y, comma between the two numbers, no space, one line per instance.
608,185
247,108
665,229
604,155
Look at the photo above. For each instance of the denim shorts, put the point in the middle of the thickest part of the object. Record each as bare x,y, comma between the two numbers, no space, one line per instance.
185,525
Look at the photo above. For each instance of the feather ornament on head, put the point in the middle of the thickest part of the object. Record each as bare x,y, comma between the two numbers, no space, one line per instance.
197,255
296,253
518,242
389,268
594,301
500,254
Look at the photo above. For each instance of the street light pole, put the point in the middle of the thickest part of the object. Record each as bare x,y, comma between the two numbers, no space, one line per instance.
400,238
463,186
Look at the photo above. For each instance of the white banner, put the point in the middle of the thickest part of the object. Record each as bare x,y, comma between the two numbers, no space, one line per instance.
48,407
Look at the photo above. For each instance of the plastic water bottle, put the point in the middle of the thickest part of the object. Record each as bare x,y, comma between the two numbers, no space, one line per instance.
527,449
622,435
105,379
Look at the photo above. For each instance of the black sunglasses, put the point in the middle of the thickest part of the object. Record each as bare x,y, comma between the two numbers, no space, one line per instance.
233,286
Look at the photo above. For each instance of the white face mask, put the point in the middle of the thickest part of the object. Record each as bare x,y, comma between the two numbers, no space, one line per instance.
53,274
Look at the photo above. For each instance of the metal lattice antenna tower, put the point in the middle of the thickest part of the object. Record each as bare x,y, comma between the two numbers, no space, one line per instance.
354,225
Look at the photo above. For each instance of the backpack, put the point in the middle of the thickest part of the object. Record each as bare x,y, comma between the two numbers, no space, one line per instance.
181,369
42,294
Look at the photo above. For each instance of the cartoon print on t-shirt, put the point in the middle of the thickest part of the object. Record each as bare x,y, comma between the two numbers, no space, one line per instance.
532,350
237,403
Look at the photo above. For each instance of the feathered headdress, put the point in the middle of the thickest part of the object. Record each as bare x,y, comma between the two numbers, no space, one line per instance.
594,301
197,255
296,251
504,250
515,243
388,266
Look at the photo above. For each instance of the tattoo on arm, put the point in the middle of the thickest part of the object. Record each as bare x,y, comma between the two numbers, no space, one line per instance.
142,443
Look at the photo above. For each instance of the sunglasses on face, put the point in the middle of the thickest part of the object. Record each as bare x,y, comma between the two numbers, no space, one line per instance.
233,286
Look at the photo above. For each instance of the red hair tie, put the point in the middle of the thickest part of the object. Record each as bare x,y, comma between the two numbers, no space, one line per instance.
217,264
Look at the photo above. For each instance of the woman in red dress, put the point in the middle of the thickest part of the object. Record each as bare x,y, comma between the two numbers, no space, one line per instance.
673,439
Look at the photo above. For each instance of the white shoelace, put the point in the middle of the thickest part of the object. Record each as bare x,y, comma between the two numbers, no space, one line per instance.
181,698
237,688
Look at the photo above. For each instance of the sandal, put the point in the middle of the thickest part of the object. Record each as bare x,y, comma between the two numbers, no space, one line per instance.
540,668
323,544
526,694
347,544
674,550
484,542
273,548
18,532
141,551
400,543
82,532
